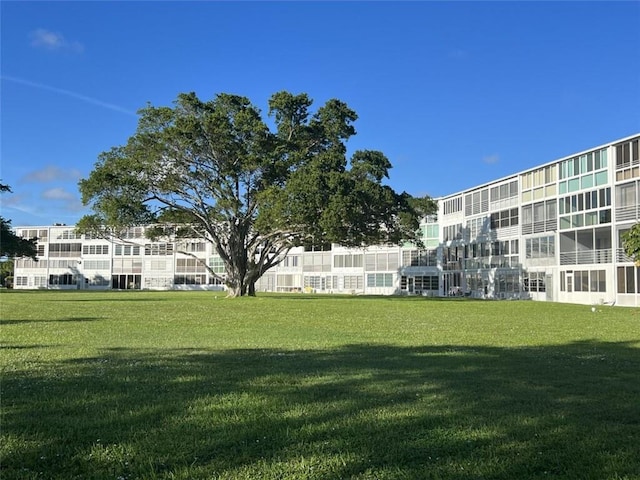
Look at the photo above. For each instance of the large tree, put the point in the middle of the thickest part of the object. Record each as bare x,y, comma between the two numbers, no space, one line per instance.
215,170
631,243
10,244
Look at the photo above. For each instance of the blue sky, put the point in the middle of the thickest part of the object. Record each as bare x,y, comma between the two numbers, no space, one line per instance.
454,93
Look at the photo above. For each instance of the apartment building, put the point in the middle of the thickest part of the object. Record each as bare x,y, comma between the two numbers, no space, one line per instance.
550,233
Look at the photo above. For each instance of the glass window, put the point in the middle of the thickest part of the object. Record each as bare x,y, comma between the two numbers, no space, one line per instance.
583,164
514,216
535,247
626,195
568,242
567,205
584,281
538,193
587,181
605,216
577,220
504,218
550,190
574,184
551,209
550,174
562,187
371,279
584,239
591,218
527,214
538,212
622,284
601,178
593,280
630,280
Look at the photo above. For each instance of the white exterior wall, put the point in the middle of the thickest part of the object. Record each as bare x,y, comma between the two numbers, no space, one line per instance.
468,261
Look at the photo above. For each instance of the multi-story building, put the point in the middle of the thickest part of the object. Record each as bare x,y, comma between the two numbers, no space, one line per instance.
548,233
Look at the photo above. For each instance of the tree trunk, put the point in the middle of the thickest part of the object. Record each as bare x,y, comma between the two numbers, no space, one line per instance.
236,281
240,266
233,291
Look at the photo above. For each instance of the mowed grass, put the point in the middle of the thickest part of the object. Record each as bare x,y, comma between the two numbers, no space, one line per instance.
187,385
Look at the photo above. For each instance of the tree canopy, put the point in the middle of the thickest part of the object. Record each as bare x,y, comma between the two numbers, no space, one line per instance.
631,243
10,244
216,170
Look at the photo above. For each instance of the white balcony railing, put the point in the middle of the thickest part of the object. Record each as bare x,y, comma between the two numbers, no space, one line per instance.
586,257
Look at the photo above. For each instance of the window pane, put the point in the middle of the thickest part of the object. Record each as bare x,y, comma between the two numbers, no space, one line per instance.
630,281
577,220
574,184
587,181
621,280
601,178
538,212
591,218
563,187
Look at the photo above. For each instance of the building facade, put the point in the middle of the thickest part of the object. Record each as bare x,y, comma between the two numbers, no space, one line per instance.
550,233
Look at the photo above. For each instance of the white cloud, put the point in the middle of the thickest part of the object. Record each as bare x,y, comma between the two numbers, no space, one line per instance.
491,159
70,201
52,173
53,41
58,194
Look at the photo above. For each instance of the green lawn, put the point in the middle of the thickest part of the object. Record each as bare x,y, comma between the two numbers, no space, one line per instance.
184,385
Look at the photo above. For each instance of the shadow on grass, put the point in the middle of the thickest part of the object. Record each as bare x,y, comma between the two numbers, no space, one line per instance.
57,320
361,411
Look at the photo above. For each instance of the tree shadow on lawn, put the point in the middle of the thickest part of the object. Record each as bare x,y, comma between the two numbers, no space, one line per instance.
57,320
360,411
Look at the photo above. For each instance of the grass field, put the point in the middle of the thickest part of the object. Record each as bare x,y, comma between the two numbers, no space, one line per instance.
184,385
